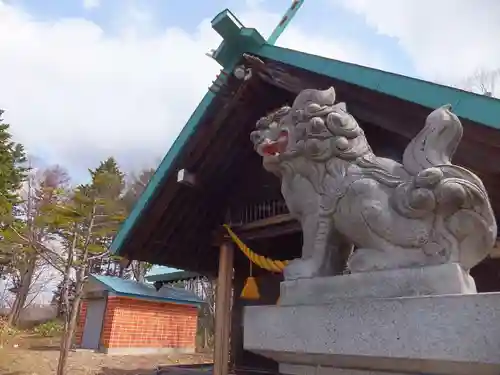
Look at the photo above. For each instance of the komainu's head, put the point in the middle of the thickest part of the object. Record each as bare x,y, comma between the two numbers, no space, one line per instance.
314,127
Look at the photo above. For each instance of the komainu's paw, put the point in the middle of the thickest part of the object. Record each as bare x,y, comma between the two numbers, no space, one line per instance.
302,269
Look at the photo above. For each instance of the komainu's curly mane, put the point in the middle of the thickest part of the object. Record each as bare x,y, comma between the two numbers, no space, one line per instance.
324,131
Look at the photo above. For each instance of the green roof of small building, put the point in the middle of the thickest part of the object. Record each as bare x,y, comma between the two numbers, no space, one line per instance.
134,289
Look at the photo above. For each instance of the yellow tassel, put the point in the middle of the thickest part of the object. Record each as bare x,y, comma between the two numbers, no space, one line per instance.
250,290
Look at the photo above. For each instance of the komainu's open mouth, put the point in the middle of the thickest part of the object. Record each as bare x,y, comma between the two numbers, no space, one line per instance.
275,148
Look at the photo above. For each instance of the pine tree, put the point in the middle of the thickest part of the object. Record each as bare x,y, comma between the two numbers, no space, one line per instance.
13,169
110,183
108,179
83,221
13,172
89,221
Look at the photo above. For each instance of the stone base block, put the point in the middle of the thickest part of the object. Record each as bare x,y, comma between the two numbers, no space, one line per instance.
438,335
431,280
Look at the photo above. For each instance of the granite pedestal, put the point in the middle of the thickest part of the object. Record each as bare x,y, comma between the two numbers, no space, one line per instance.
432,328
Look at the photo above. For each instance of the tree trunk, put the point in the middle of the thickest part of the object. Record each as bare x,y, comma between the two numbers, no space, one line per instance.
63,308
27,276
22,292
71,320
139,271
70,313
69,331
142,272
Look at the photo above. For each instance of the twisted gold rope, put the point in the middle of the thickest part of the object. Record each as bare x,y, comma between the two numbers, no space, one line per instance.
259,260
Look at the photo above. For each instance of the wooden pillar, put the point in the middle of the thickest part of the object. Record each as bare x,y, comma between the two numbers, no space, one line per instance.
223,309
236,341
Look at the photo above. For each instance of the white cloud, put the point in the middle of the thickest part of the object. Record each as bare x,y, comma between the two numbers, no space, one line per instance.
447,40
78,95
91,4
75,94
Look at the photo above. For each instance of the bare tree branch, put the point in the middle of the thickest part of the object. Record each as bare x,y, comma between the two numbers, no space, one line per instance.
483,81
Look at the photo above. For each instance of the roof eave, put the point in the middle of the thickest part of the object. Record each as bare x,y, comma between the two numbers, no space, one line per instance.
158,299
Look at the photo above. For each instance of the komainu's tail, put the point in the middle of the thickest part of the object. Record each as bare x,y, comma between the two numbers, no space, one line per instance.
465,221
436,143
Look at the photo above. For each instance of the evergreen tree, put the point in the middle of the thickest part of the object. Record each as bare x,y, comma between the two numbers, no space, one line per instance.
108,179
13,170
109,182
13,173
86,223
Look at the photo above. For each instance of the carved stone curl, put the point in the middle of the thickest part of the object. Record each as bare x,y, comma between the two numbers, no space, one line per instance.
424,211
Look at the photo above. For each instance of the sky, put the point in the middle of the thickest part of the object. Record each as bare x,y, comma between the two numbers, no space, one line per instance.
82,80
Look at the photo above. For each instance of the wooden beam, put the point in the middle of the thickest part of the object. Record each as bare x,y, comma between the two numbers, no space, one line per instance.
260,232
273,220
223,309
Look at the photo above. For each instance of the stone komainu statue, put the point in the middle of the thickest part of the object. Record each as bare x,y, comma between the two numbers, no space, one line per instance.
424,211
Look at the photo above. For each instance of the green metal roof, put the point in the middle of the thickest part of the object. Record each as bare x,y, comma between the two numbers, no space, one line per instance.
238,39
131,288
478,108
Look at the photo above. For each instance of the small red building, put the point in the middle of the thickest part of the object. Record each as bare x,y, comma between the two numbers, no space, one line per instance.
125,317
